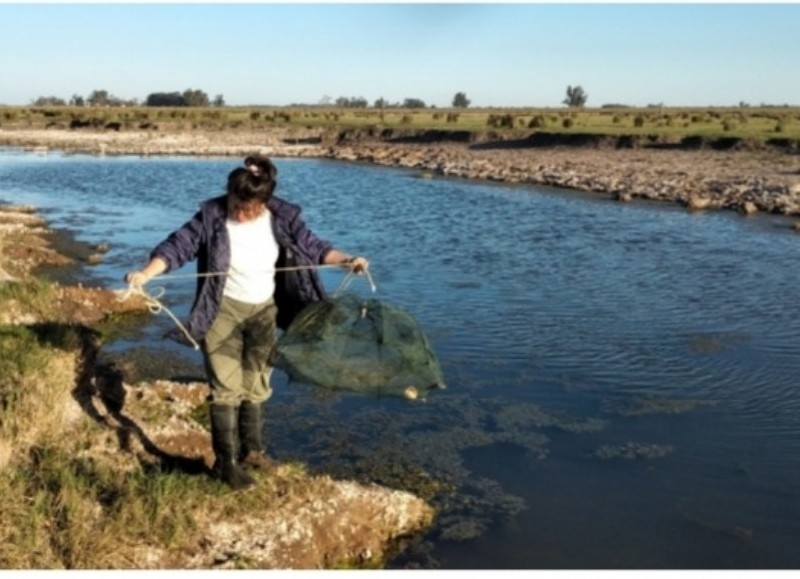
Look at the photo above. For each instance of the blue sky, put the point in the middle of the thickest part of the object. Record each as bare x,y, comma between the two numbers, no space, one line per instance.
498,54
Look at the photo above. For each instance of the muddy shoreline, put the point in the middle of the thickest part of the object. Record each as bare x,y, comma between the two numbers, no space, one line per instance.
744,178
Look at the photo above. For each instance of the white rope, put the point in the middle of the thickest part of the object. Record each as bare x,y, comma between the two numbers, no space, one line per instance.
155,306
348,279
5,276
221,274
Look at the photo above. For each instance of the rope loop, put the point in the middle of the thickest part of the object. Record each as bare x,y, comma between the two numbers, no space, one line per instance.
154,306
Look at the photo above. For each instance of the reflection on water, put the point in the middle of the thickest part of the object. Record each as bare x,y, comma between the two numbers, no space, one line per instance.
622,378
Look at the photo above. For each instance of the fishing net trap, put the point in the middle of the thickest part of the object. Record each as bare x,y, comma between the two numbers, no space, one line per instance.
357,344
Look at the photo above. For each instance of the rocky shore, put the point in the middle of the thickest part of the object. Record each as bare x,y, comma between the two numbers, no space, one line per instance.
744,178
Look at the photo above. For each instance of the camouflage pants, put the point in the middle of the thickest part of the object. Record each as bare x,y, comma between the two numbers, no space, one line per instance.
236,349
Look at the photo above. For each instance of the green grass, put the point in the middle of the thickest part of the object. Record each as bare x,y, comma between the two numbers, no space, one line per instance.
30,294
20,353
745,122
64,511
61,508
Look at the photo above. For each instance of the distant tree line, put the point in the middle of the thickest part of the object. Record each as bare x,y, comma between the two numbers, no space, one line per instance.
460,100
576,97
188,98
381,103
102,98
97,98
198,98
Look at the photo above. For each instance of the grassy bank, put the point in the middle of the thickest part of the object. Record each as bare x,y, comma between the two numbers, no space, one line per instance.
759,123
69,499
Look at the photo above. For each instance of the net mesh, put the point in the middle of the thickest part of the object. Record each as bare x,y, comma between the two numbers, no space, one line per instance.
360,345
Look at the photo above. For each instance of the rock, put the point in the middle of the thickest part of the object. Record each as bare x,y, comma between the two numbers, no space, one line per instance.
748,208
698,203
623,196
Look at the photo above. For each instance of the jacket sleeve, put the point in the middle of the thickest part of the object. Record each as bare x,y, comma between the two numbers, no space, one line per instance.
182,245
314,247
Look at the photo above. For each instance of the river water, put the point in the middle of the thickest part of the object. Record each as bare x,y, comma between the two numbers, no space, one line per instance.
623,379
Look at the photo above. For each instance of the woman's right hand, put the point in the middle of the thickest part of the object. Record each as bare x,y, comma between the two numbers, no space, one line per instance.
136,278
155,267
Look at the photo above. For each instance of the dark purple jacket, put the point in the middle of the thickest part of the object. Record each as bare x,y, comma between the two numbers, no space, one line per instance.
205,238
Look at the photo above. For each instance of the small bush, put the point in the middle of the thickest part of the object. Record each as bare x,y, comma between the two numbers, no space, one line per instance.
537,122
638,121
501,121
567,123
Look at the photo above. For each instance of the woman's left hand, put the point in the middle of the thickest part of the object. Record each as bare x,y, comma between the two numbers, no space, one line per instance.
358,264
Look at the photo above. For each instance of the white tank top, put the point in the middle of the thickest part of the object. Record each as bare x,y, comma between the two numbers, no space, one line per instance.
254,252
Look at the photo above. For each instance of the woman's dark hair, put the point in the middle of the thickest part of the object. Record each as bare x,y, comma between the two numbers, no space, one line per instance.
267,167
245,186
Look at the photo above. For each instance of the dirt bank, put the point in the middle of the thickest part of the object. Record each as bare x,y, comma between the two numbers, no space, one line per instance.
698,174
71,403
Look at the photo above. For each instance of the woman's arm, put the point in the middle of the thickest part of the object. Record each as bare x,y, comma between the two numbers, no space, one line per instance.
180,247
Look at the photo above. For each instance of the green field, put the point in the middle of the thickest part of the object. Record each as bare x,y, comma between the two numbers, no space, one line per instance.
759,123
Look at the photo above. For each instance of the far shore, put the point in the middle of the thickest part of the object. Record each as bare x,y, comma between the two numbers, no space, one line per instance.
748,181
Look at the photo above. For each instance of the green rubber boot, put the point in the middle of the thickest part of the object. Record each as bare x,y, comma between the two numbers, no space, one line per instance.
225,440
251,426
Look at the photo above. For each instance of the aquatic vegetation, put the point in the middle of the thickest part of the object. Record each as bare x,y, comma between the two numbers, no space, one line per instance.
633,451
718,342
655,405
696,514
419,448
461,530
142,363
531,416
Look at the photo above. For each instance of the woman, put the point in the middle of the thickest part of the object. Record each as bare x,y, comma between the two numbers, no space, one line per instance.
239,241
